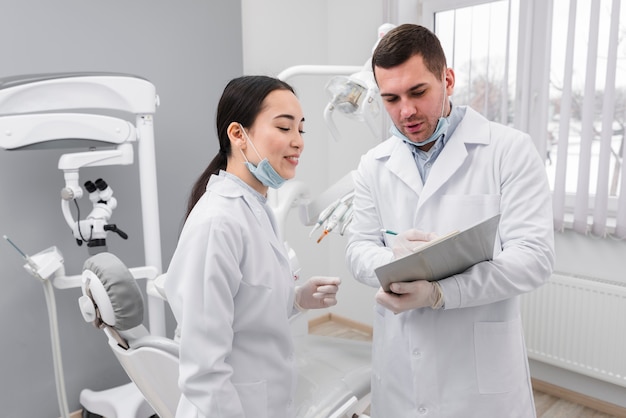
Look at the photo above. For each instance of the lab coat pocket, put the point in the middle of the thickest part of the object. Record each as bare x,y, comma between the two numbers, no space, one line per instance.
499,350
253,397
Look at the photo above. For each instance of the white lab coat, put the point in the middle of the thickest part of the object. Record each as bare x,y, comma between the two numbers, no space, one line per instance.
231,290
469,359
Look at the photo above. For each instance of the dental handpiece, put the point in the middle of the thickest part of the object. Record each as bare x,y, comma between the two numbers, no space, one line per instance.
347,218
324,215
335,218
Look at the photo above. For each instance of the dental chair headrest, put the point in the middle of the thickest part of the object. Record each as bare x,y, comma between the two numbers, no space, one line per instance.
111,296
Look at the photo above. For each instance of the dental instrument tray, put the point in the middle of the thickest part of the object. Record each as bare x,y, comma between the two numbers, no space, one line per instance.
444,256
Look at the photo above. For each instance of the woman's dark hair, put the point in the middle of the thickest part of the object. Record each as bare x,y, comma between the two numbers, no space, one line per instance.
405,41
241,101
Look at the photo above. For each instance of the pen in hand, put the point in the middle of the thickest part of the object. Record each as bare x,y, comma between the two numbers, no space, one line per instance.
388,231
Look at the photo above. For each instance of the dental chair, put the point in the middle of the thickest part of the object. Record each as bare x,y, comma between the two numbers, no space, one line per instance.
334,373
113,302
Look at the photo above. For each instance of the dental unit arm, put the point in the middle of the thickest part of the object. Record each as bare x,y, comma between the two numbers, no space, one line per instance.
33,115
60,111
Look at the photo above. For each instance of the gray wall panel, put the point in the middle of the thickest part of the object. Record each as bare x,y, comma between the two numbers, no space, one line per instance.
189,50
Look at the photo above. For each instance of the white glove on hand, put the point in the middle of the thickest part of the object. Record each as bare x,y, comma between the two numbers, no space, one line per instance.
411,295
410,240
318,292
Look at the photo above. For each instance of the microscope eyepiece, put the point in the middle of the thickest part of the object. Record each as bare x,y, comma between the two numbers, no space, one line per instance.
89,186
101,184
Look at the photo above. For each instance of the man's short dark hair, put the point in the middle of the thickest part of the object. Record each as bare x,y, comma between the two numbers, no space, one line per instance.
405,41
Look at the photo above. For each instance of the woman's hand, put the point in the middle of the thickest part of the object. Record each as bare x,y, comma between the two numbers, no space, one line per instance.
318,292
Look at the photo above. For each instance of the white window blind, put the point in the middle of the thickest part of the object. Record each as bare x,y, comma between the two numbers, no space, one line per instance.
588,115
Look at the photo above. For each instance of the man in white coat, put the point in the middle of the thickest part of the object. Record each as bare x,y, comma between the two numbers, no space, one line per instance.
453,348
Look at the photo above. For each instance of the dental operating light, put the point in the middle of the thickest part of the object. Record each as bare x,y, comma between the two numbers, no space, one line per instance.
356,96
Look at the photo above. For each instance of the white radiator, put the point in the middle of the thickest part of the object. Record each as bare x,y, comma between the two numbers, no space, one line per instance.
578,324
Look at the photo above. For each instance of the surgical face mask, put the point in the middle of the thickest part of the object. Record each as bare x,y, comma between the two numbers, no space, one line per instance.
264,172
440,129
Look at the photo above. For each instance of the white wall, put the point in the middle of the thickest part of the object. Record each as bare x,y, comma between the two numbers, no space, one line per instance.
279,34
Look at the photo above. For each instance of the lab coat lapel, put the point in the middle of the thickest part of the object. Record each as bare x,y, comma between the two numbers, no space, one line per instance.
268,223
473,129
402,164
229,187
279,246
448,162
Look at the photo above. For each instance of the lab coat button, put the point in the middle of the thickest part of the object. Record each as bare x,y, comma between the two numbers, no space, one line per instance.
417,353
422,410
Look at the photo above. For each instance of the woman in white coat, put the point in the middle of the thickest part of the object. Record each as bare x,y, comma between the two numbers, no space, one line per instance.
453,348
229,282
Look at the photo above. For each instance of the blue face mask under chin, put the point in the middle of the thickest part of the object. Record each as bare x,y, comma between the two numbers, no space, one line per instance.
263,172
266,174
440,129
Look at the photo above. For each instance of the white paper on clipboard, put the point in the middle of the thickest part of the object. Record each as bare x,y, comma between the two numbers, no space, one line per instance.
443,257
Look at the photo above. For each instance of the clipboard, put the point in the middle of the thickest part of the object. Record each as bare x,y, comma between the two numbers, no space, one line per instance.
444,256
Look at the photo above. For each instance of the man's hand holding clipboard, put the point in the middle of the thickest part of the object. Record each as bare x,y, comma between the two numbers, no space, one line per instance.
443,256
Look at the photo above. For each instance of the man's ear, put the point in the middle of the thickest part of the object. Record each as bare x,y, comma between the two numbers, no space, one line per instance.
236,135
450,81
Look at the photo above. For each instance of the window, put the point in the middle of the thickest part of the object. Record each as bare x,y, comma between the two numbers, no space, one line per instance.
557,70
481,45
